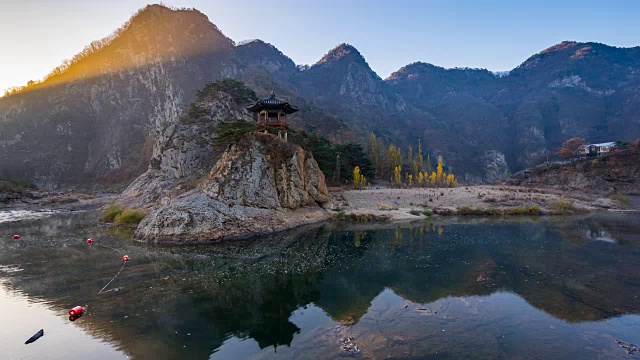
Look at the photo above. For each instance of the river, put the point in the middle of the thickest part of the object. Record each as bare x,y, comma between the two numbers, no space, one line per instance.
443,288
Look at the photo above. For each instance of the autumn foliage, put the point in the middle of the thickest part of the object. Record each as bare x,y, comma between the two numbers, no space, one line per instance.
409,171
569,148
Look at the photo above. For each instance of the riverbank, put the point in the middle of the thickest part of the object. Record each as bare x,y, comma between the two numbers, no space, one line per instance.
34,200
410,204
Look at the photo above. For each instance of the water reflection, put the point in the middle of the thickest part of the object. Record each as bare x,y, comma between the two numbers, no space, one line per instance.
480,289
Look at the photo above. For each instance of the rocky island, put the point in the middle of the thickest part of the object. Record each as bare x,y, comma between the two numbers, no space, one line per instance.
259,184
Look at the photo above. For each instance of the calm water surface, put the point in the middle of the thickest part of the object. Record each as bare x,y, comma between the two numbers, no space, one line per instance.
558,288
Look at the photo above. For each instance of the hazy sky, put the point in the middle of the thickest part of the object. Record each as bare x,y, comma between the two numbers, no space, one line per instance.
36,35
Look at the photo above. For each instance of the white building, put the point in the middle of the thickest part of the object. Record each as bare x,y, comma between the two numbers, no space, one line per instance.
596,149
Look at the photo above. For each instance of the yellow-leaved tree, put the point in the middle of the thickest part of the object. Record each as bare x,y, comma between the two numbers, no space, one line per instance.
439,171
451,181
356,177
397,175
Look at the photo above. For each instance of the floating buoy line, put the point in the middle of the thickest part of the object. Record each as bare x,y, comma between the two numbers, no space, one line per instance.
77,311
125,259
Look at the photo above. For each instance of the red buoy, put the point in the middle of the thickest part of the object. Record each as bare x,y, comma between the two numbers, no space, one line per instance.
125,258
16,237
76,310
89,241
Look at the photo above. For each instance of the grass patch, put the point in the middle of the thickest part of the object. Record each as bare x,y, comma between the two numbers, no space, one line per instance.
130,217
366,217
339,216
520,210
15,186
109,214
116,214
563,207
468,210
524,210
621,198
427,212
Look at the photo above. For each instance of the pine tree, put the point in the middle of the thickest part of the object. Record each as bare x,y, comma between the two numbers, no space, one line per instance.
419,160
429,163
337,174
374,154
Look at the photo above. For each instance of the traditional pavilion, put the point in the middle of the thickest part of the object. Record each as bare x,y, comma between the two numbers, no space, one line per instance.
272,112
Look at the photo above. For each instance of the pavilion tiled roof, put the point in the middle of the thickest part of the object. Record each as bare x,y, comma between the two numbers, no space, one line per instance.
273,103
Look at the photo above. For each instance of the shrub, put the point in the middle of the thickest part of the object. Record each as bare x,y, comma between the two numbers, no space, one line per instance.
236,89
520,210
109,214
19,185
621,198
130,216
339,216
415,212
196,111
367,217
232,131
525,210
427,212
563,206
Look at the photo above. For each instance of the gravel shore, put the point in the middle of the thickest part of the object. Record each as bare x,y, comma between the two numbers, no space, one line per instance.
397,203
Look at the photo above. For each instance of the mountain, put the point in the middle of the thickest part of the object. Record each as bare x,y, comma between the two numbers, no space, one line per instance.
92,120
95,119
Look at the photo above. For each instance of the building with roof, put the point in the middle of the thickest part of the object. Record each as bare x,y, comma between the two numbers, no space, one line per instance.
271,114
595,149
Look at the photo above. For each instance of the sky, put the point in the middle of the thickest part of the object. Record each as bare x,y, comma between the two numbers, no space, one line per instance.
37,35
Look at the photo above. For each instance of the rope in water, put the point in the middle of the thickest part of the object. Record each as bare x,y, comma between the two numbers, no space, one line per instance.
110,281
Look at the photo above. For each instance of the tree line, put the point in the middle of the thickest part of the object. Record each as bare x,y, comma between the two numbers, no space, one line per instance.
412,170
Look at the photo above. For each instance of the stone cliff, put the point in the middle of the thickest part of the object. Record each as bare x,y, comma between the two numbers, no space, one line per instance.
259,185
184,152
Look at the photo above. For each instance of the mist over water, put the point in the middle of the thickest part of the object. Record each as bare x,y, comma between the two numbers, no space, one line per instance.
565,287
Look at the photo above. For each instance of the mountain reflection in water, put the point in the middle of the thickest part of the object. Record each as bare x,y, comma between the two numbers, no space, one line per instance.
484,288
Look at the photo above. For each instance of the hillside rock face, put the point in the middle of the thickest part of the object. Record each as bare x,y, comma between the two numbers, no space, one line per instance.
96,120
259,185
184,152
618,172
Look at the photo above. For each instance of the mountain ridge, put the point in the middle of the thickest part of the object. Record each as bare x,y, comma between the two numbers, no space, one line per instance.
143,77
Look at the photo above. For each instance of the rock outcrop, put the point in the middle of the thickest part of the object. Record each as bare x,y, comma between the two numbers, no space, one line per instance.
184,152
259,185
617,172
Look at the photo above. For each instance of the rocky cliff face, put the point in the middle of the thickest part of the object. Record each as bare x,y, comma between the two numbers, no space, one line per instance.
259,185
184,152
96,120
